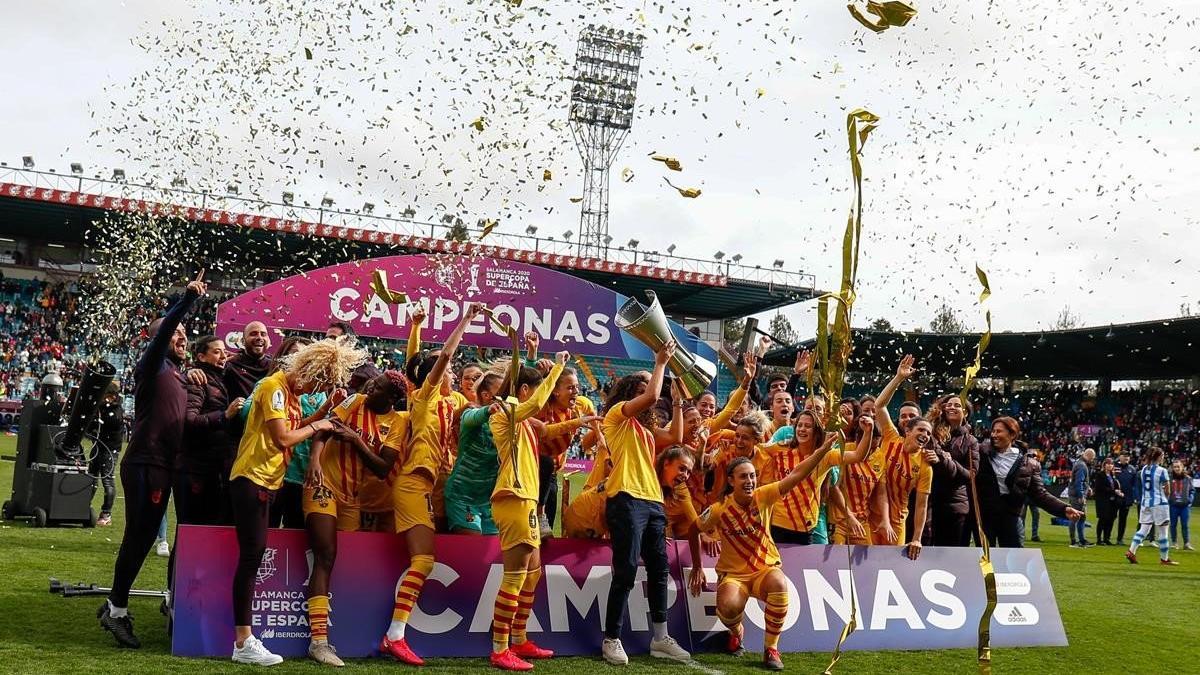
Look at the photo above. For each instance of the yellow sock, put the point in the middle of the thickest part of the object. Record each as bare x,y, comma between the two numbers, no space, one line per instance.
408,589
775,614
318,617
525,606
508,598
733,623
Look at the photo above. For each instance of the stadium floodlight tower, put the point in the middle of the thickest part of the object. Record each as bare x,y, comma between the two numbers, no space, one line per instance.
602,98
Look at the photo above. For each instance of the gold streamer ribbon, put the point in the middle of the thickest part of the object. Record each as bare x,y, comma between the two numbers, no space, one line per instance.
833,347
509,404
586,369
984,650
890,14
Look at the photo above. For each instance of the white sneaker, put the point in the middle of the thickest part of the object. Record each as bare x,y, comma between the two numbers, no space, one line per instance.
163,550
1188,547
544,526
614,652
255,653
668,648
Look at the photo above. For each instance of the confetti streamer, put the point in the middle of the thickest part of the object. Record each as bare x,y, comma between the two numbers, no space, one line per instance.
307,54
893,13
987,289
626,174
488,226
690,193
380,286
834,346
672,163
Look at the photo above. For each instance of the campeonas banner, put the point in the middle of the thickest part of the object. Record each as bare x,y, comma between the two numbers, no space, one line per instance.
566,312
929,604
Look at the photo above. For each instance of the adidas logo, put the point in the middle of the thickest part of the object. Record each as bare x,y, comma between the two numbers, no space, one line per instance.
1015,616
267,634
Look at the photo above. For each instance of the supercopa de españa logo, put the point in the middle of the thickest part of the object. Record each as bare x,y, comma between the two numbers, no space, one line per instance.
266,568
279,609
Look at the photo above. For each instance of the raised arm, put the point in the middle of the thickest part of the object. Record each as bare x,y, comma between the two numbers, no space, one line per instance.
537,400
448,349
417,316
806,467
721,419
799,370
904,371
864,447
636,406
672,435
532,340
154,355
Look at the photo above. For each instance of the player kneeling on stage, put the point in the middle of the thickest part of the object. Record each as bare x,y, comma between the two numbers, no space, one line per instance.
749,565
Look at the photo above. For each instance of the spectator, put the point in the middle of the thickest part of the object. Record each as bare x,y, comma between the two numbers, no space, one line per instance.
1180,493
1127,480
1079,492
1107,492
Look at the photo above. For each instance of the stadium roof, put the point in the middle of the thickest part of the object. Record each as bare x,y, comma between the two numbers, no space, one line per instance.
49,207
1148,350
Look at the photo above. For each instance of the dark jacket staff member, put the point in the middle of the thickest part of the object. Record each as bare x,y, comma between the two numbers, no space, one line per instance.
160,403
637,523
239,373
272,429
1004,477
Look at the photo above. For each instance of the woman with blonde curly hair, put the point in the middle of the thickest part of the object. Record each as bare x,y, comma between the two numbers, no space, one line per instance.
274,427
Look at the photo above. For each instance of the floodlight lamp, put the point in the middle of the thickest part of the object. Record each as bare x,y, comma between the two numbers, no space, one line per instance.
568,234
633,243
719,255
326,202
368,207
607,240
179,181
531,230
671,249
27,161
737,257
232,188
76,168
778,264
288,198
118,174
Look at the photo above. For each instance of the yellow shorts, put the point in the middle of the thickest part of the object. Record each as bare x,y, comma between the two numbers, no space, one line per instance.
751,583
517,522
323,501
412,502
439,501
584,517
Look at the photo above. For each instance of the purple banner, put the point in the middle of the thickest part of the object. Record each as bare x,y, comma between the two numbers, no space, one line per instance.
565,311
932,603
454,617
929,604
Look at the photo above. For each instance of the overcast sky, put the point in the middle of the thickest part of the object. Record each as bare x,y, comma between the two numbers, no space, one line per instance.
1054,144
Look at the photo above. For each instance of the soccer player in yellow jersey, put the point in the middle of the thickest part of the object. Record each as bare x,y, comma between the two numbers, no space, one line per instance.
634,510
907,468
584,517
793,521
514,510
272,429
368,434
412,490
863,483
673,467
749,565
565,413
751,432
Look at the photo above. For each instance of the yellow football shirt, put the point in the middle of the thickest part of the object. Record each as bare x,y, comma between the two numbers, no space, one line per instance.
631,452
746,544
258,458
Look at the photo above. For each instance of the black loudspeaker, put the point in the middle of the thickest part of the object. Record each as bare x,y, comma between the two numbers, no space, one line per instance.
43,491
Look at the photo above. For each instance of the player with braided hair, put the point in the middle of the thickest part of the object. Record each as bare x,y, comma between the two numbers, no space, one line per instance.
274,427
368,434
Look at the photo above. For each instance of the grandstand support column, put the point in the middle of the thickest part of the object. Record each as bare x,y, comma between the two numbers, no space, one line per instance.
1008,386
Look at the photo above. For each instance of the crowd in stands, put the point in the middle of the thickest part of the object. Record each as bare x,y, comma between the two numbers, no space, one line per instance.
36,336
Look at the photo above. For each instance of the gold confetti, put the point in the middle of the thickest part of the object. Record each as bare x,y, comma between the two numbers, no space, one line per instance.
379,285
690,193
546,175
761,92
626,174
892,13
672,163
987,289
576,200
488,226
478,124
308,53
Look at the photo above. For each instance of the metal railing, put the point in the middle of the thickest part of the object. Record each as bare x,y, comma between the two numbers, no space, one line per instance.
407,225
